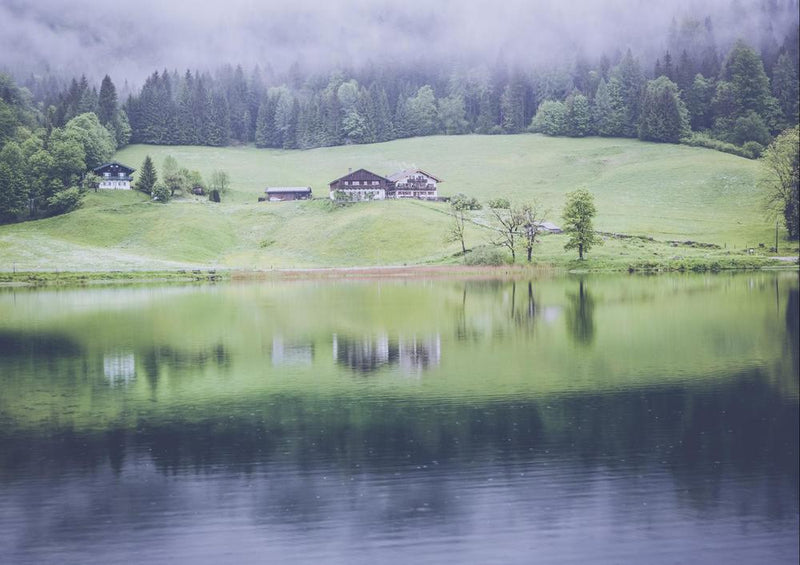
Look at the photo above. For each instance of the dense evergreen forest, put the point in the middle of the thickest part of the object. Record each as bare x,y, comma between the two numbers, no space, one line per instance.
735,100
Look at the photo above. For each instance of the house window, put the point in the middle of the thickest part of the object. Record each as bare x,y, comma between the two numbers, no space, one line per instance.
121,175
375,183
355,183
106,175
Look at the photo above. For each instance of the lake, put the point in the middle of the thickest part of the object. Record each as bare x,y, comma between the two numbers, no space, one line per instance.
602,419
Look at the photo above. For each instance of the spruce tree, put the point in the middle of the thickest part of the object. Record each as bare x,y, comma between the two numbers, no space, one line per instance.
107,102
147,176
663,115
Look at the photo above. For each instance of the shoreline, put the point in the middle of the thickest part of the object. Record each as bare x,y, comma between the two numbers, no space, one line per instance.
216,274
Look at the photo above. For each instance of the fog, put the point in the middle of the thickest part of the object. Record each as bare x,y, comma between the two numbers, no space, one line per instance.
128,40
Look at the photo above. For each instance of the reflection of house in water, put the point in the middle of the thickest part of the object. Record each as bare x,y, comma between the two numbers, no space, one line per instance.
119,367
417,354
364,355
291,353
369,354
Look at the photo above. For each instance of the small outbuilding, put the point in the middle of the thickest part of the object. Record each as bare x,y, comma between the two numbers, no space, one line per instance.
286,193
115,176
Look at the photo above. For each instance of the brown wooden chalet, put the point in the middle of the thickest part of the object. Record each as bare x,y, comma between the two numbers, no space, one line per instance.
114,176
360,185
286,193
414,183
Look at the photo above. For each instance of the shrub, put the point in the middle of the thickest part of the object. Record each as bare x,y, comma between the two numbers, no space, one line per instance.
64,201
161,193
704,140
499,203
485,255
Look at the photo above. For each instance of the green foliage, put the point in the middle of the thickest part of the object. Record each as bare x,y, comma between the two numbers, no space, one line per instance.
578,116
485,255
608,109
750,128
452,115
460,201
13,189
220,181
579,211
98,144
64,201
704,140
781,177
107,101
421,112
664,116
499,202
147,176
161,193
550,118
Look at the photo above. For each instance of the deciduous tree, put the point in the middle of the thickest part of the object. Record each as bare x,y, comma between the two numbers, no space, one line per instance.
578,214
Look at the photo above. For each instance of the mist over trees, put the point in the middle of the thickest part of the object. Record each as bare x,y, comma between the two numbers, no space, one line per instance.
694,83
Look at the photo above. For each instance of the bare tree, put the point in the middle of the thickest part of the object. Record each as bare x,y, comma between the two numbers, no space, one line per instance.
508,224
533,216
455,232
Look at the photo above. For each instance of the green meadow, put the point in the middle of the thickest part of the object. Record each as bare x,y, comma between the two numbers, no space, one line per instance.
665,192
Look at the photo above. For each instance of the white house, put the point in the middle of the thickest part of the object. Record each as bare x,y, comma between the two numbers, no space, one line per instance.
413,183
115,176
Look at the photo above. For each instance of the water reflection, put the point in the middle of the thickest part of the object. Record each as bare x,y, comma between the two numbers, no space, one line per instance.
295,352
119,367
242,435
580,315
413,354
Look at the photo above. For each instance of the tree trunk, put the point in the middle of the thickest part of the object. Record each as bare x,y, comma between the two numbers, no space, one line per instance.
530,252
580,251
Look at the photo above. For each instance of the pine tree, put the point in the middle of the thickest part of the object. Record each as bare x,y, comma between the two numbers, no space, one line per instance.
785,89
631,83
578,115
663,116
147,176
107,101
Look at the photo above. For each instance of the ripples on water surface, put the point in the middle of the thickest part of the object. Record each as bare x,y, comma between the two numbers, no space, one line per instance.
608,420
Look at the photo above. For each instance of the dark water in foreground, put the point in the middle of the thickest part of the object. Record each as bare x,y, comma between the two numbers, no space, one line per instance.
601,420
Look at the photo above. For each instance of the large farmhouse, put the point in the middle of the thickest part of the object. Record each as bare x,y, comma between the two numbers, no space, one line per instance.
115,176
413,183
360,185
365,185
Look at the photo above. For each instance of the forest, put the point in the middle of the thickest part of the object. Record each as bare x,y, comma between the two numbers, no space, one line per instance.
735,100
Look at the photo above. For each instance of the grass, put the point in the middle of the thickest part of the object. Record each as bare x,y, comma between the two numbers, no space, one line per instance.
660,191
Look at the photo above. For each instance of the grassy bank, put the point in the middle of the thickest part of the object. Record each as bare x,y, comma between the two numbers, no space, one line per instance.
662,194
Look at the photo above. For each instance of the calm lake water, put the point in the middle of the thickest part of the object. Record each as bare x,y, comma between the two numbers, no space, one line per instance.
572,420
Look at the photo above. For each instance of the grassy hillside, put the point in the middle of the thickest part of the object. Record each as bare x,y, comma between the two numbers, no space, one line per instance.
667,192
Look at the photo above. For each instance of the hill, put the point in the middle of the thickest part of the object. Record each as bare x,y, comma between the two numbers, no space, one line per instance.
660,191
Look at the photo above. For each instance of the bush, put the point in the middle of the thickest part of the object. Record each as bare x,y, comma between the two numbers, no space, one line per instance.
161,193
499,203
703,140
64,201
485,255
753,148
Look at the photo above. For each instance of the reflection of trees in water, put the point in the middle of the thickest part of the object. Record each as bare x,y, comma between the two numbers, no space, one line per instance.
519,306
580,315
180,361
364,355
369,354
689,432
793,328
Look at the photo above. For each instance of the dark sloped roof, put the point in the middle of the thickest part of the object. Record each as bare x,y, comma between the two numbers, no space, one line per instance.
360,175
114,166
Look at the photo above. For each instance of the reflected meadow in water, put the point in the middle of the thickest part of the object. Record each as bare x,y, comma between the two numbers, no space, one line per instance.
594,419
